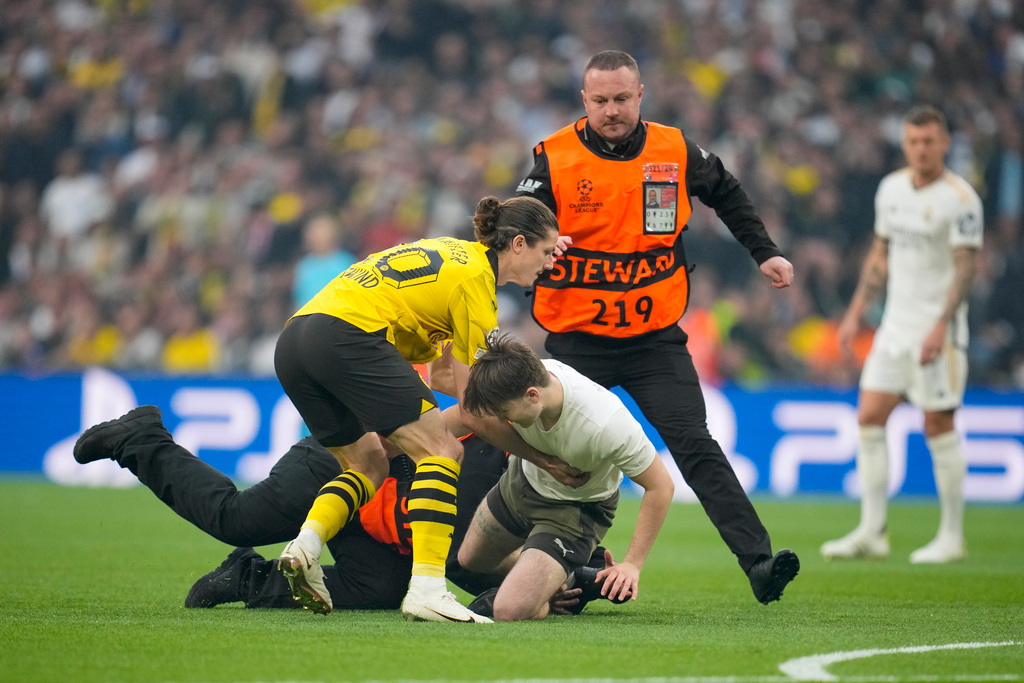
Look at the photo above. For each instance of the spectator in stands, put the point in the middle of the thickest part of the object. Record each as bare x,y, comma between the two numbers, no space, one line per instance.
74,201
192,348
391,110
323,259
139,344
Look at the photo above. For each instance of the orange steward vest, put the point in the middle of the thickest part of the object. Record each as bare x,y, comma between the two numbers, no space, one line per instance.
380,516
625,273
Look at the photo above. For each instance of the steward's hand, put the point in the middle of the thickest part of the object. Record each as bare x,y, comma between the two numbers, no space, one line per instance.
779,271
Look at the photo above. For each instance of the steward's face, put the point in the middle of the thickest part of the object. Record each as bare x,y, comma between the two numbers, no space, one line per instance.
612,100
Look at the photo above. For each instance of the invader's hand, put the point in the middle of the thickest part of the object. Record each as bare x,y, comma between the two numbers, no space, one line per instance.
619,580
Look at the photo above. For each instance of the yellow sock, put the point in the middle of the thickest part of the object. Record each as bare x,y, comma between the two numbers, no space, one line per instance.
337,503
432,506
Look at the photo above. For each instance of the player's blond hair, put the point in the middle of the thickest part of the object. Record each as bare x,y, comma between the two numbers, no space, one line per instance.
924,114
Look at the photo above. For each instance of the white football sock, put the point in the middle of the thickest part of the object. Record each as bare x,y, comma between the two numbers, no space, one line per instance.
433,584
950,469
873,470
310,541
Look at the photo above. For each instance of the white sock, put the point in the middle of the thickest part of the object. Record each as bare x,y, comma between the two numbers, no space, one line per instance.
310,542
873,470
432,584
950,469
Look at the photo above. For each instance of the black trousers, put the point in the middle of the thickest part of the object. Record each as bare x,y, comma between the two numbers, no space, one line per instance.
366,574
657,371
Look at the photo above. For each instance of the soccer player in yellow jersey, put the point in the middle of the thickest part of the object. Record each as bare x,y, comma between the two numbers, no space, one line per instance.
345,360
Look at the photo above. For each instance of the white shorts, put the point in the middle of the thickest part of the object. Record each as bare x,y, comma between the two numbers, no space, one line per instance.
934,387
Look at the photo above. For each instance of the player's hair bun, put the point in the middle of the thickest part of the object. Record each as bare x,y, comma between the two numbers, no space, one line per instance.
485,221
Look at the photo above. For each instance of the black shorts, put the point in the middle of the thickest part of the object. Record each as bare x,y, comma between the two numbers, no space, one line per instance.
566,530
346,382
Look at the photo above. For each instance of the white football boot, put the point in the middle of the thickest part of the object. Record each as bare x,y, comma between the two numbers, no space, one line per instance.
302,569
856,544
940,551
424,605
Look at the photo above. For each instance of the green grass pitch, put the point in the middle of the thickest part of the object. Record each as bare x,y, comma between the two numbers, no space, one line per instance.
94,582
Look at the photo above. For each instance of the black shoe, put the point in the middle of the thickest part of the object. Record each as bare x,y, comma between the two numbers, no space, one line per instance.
223,584
770,576
586,580
99,441
483,604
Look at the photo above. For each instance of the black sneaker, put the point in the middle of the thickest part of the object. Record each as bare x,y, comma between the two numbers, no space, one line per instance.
99,441
770,576
585,578
483,604
223,584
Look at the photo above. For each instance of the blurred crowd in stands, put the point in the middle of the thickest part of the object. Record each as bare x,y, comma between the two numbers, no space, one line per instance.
176,176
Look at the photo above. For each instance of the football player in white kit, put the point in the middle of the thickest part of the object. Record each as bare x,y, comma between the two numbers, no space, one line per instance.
928,231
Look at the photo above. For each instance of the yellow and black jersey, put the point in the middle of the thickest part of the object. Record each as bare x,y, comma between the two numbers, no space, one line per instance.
424,294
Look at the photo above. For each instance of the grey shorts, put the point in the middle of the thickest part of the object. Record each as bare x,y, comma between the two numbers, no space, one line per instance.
566,530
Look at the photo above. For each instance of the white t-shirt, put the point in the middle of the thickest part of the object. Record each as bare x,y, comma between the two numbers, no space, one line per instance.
71,205
923,226
595,433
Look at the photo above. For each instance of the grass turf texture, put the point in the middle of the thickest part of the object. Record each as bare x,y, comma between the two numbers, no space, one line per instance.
95,581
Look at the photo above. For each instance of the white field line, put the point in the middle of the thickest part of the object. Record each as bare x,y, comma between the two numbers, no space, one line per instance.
983,678
812,668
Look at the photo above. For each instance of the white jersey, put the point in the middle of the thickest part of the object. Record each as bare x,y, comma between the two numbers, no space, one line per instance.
595,433
923,226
